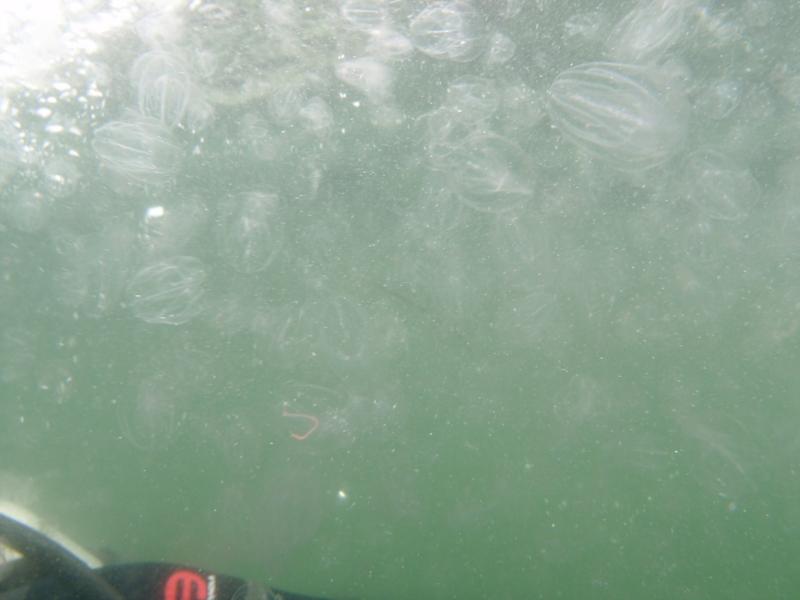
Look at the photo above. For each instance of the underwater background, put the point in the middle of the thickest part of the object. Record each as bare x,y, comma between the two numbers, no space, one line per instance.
405,298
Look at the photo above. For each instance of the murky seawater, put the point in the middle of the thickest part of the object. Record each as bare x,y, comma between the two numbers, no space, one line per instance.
394,298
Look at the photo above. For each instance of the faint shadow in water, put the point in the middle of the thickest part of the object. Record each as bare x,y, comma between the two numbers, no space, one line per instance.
150,419
719,454
266,520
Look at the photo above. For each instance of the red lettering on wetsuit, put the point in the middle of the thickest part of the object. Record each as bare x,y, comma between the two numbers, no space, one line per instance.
185,585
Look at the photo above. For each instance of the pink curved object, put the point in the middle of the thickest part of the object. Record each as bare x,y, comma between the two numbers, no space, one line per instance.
314,423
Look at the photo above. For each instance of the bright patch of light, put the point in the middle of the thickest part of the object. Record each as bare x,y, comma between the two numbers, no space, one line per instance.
154,212
37,37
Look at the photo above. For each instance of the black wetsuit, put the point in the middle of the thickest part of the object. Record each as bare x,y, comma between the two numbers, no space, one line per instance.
152,581
48,571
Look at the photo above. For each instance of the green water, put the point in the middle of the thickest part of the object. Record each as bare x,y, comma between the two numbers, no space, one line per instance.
576,380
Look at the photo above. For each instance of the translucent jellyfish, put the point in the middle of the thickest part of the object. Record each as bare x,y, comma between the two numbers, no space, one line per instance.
94,269
163,87
512,8
776,321
522,107
722,449
704,242
589,26
531,319
719,187
584,401
365,14
760,13
387,331
10,151
285,103
647,32
438,213
449,30
166,229
17,352
473,98
139,149
26,210
718,99
304,405
437,277
168,292
625,115
367,75
523,238
199,115
258,137
501,49
332,328
310,396
149,419
56,381
317,115
250,230
489,172
61,176
389,44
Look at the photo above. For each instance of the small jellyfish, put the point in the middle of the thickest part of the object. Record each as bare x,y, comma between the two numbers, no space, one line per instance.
149,419
365,15
488,172
163,87
168,292
61,177
367,75
621,114
449,30
250,230
646,33
332,329
721,189
139,149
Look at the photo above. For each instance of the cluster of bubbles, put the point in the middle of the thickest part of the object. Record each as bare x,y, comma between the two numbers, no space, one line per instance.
328,198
